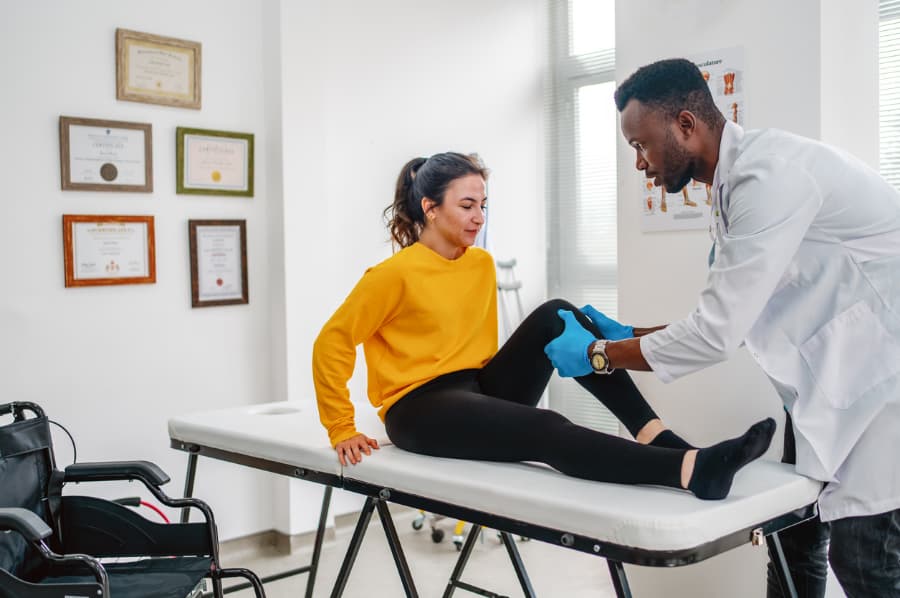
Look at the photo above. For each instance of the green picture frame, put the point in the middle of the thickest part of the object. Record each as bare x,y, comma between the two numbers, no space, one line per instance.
211,162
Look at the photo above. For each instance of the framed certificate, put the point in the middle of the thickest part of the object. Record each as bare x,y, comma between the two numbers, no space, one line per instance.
106,250
218,262
213,162
157,70
105,155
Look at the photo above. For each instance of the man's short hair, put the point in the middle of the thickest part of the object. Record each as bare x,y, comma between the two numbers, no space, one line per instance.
671,86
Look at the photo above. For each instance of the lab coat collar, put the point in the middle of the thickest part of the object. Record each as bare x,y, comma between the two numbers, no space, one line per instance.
732,135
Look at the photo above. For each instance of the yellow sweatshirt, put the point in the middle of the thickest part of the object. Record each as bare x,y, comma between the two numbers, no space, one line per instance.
418,316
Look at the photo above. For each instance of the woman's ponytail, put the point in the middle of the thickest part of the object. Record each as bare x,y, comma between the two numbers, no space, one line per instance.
404,216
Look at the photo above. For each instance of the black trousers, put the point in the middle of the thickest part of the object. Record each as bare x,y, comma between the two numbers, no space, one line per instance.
805,545
491,414
864,552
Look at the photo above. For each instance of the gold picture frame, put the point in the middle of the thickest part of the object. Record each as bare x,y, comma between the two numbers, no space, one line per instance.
157,70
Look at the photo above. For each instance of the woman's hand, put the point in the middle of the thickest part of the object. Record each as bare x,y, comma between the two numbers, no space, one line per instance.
352,449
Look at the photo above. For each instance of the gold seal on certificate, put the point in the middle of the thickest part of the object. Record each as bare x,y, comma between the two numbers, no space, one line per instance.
105,155
218,262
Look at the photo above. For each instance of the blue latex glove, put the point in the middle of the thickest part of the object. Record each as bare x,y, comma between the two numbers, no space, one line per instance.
610,329
568,351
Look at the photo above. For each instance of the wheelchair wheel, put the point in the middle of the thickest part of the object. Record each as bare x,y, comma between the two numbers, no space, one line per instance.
437,535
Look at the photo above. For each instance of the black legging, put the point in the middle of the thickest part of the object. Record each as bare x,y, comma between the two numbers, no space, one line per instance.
490,414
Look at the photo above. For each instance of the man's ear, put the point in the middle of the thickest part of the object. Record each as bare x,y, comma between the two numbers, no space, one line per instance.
687,123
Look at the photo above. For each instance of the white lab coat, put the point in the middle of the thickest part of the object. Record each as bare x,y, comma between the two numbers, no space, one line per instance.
807,274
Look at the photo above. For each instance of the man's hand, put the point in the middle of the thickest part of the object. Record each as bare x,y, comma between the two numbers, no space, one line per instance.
610,329
568,351
352,449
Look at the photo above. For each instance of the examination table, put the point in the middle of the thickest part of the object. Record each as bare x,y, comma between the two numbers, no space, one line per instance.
642,525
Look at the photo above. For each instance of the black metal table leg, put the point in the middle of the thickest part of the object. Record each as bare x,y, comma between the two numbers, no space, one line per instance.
517,563
773,542
317,546
312,568
620,581
189,484
462,560
387,523
361,525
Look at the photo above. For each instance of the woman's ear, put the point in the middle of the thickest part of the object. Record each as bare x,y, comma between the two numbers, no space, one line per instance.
427,206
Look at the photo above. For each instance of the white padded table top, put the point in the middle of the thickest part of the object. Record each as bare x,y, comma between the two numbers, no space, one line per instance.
285,432
652,518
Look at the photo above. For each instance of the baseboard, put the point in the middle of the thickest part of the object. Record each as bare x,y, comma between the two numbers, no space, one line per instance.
288,544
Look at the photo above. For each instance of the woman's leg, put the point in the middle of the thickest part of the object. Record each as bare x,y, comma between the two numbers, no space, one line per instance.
520,371
465,424
460,422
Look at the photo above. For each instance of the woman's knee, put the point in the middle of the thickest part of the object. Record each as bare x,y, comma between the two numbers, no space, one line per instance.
551,306
548,313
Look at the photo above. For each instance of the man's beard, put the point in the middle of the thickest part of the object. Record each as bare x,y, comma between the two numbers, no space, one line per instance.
681,166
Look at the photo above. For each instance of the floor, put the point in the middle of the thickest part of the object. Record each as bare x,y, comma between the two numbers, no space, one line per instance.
374,574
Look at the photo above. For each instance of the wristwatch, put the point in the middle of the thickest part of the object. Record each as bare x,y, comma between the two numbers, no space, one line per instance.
599,360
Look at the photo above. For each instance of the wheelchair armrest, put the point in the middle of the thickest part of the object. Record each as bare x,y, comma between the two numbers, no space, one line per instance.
32,527
145,471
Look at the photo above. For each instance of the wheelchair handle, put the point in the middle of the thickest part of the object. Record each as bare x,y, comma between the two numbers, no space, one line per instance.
17,408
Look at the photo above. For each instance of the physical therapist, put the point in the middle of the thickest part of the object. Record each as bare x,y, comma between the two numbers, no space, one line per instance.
805,271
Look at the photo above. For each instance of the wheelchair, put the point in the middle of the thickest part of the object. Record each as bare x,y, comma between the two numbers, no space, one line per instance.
55,546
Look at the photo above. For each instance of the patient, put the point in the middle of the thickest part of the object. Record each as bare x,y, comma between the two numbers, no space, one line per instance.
427,320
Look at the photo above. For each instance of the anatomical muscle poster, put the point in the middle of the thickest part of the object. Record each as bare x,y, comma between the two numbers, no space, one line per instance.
689,208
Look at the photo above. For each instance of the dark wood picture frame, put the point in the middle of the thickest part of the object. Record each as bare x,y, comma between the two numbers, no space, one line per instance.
69,251
108,170
196,299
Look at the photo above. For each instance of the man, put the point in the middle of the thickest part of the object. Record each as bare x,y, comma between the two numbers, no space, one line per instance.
804,271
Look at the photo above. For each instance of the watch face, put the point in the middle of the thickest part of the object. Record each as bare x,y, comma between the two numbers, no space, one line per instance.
598,362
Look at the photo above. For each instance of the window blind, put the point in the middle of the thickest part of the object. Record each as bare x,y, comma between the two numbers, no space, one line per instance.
581,177
889,90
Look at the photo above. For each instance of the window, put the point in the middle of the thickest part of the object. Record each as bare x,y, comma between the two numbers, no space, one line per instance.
581,193
889,90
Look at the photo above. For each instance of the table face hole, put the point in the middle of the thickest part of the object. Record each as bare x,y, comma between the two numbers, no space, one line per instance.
277,410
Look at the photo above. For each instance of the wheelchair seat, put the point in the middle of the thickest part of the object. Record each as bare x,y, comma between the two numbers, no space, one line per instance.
174,577
53,545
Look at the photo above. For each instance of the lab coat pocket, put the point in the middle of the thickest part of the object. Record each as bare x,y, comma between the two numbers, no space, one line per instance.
851,354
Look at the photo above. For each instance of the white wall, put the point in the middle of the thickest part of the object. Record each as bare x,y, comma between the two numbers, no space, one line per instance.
369,85
793,81
849,70
113,363
341,93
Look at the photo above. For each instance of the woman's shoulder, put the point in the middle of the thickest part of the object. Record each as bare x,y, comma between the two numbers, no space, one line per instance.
480,256
395,264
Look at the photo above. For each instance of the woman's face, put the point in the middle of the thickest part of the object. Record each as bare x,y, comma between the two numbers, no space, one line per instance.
461,215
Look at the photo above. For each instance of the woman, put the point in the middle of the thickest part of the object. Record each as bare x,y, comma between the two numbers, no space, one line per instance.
427,319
